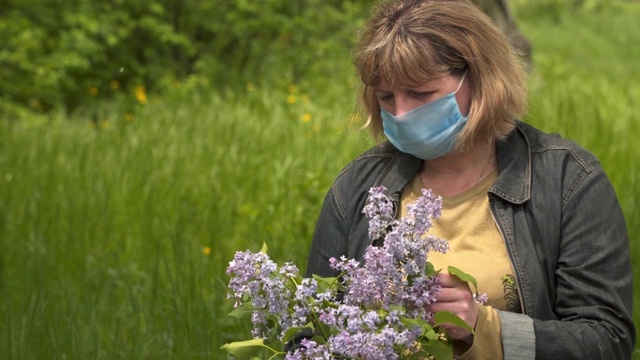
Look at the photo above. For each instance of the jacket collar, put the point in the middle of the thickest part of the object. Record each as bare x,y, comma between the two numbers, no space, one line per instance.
514,167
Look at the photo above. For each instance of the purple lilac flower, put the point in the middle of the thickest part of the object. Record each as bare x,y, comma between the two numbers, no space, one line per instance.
257,277
259,301
327,295
364,345
259,319
407,338
423,292
481,299
438,245
289,270
422,210
393,317
296,355
371,320
346,343
278,295
388,338
379,210
306,289
309,350
246,270
394,273
393,278
344,264
329,316
360,337
371,284
315,351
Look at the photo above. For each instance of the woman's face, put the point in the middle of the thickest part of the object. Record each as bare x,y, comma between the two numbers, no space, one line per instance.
399,100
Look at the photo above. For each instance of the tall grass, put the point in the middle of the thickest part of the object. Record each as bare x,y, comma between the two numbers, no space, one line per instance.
115,234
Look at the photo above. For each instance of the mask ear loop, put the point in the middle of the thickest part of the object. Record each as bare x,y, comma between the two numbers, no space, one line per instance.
461,81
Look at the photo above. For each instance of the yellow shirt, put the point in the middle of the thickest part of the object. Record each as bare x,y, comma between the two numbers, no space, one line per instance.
475,247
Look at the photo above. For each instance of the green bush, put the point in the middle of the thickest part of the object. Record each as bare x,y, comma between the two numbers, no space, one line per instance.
56,53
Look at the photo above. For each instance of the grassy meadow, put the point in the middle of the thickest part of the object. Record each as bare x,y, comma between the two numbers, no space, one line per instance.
116,226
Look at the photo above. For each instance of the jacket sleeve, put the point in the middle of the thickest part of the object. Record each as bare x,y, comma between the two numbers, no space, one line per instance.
593,290
518,336
329,238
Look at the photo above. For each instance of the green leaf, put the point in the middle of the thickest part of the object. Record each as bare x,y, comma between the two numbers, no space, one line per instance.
425,326
273,342
430,270
324,282
463,276
264,248
327,280
243,311
320,340
293,331
442,317
440,350
430,334
245,349
325,330
414,322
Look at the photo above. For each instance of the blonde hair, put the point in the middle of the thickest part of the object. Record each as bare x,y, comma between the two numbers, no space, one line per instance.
410,42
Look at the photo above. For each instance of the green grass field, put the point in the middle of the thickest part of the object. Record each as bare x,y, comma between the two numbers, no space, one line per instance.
116,230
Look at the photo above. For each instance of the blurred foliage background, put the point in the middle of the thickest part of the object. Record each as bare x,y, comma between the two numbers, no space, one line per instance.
61,53
64,53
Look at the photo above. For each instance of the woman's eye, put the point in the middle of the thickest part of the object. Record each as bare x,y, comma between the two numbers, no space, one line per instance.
422,94
385,97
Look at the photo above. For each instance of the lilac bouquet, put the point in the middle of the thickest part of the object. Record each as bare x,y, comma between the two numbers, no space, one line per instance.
374,311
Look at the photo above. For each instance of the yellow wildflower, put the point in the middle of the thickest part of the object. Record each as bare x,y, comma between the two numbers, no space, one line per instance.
291,99
93,91
306,117
141,94
114,84
206,250
250,87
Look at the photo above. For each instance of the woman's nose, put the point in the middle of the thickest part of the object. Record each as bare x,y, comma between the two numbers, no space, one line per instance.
403,105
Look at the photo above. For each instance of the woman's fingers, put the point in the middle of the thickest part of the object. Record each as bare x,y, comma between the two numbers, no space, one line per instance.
457,298
449,281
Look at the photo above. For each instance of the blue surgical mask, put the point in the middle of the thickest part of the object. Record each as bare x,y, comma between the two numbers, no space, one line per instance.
428,131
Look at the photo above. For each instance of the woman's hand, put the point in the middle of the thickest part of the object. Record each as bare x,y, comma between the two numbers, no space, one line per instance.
457,298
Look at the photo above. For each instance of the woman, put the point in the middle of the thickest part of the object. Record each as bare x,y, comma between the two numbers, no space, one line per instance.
532,216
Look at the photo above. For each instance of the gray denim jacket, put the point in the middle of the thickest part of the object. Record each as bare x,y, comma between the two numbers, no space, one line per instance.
563,227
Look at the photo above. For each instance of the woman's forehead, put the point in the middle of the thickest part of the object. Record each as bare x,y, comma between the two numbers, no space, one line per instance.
400,78
401,69
429,83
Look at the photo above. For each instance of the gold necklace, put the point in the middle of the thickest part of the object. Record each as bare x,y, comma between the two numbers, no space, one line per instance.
484,169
